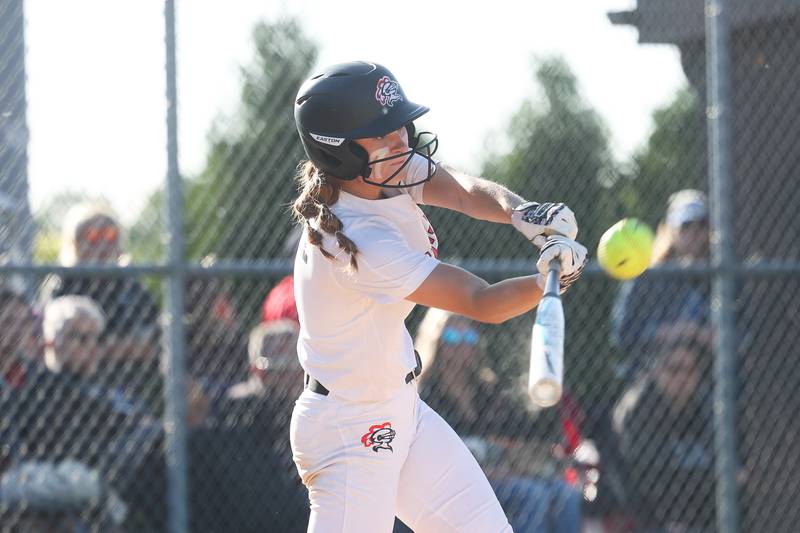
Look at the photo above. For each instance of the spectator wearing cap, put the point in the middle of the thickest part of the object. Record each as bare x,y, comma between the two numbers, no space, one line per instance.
280,302
647,309
92,234
266,398
274,367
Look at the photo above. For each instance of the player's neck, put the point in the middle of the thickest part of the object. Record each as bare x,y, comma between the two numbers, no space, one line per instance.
357,187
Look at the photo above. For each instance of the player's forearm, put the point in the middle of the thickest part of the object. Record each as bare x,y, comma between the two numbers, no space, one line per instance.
487,200
507,299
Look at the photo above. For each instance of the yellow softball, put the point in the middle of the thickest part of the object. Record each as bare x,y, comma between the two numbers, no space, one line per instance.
625,249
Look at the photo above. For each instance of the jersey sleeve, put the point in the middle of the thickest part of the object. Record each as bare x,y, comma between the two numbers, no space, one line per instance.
389,269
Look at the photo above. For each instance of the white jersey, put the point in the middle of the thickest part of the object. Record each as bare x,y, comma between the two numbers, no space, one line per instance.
353,337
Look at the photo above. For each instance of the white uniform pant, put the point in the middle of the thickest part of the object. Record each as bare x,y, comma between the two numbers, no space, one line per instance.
365,462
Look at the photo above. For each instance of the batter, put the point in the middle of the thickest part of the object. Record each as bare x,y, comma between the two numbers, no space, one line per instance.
365,445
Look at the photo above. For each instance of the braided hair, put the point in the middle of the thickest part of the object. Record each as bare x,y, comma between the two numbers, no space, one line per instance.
317,194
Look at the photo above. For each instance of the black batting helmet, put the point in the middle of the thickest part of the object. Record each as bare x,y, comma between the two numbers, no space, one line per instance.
355,100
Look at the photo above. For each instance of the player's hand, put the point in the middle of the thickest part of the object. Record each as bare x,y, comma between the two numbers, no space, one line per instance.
571,254
539,221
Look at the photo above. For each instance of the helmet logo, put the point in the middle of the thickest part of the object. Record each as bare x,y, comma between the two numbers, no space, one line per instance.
388,92
333,141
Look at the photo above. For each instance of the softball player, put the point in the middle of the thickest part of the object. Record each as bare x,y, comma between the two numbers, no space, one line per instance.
366,447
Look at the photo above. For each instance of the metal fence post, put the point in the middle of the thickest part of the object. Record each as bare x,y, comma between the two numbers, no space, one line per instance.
722,256
16,222
175,382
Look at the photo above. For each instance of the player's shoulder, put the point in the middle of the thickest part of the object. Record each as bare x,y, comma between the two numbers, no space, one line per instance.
368,227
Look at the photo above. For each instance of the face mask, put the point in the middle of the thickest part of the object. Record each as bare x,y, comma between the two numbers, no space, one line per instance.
417,164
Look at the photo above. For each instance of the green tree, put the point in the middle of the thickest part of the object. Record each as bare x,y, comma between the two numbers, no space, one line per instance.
559,151
237,207
673,158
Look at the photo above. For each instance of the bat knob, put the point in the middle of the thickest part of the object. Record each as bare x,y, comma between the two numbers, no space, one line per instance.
546,392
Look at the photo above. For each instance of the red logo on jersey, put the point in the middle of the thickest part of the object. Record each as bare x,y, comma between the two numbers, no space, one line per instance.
388,92
379,437
431,238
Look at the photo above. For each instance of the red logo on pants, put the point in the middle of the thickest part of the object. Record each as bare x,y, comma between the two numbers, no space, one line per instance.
379,437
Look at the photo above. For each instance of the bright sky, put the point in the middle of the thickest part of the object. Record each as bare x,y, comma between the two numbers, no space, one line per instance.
96,109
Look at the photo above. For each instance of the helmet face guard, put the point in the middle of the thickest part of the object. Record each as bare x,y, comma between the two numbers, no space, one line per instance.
351,101
426,150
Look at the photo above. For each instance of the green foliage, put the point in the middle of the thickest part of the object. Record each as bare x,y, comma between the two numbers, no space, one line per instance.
46,246
238,206
559,150
673,158
146,236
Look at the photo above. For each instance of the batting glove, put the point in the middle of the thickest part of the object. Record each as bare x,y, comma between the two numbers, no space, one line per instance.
539,221
571,254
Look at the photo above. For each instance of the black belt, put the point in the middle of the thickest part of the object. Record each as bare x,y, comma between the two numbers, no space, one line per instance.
319,388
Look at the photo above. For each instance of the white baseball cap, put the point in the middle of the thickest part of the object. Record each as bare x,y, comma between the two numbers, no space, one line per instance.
687,205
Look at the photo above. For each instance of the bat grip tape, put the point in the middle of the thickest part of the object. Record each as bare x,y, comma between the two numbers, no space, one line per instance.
552,287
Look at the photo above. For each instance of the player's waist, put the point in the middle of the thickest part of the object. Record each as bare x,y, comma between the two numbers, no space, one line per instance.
316,386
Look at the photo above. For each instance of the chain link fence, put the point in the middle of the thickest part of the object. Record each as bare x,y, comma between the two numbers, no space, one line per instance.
97,434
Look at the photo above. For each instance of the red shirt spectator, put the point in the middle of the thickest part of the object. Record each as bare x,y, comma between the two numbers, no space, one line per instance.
279,303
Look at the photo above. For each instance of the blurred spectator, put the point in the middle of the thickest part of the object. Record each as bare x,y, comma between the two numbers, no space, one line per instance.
280,302
511,444
59,413
71,330
241,474
92,235
664,428
216,342
647,307
68,497
275,371
17,335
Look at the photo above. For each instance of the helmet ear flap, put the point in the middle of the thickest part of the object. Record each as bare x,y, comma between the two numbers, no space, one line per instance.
361,155
345,162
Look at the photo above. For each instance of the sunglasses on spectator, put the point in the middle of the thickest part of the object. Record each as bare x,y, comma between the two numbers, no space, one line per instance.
456,336
96,235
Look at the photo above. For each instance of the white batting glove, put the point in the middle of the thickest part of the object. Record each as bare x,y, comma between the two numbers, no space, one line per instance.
571,254
538,221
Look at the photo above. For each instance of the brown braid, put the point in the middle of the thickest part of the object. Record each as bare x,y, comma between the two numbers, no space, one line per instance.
317,194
